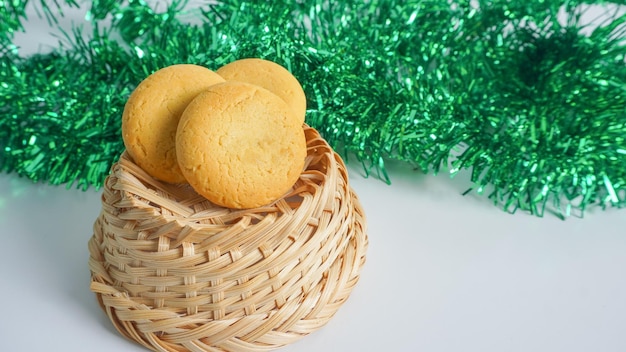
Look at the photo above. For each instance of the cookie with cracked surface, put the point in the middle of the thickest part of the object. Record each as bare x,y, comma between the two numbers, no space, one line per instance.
270,76
239,146
151,116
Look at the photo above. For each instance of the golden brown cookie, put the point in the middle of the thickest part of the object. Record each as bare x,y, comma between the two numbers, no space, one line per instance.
239,146
151,116
270,76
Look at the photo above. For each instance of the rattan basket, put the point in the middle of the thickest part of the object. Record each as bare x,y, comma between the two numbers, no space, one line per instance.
177,273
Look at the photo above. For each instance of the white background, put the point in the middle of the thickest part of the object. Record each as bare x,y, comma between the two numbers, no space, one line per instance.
444,272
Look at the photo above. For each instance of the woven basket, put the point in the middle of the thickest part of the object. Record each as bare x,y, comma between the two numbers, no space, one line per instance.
177,273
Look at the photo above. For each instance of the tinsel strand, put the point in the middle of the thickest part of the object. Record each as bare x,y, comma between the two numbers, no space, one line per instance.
523,95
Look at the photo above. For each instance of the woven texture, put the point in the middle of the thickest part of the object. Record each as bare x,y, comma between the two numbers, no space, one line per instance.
177,273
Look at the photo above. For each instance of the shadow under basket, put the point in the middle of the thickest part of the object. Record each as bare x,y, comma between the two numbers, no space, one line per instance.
175,272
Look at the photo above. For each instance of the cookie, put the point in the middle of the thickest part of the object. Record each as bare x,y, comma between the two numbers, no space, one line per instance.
270,76
151,116
239,146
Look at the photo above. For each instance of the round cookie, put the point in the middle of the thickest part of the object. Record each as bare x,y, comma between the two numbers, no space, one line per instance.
239,146
270,76
151,116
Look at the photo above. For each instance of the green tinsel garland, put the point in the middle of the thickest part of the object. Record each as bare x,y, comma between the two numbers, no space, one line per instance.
522,93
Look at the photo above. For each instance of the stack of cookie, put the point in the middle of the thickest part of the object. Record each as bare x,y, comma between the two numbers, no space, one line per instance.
234,135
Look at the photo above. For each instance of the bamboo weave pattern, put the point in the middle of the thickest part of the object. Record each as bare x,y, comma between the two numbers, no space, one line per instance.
177,273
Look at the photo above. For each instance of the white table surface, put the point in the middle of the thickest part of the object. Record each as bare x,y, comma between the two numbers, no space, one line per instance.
444,272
